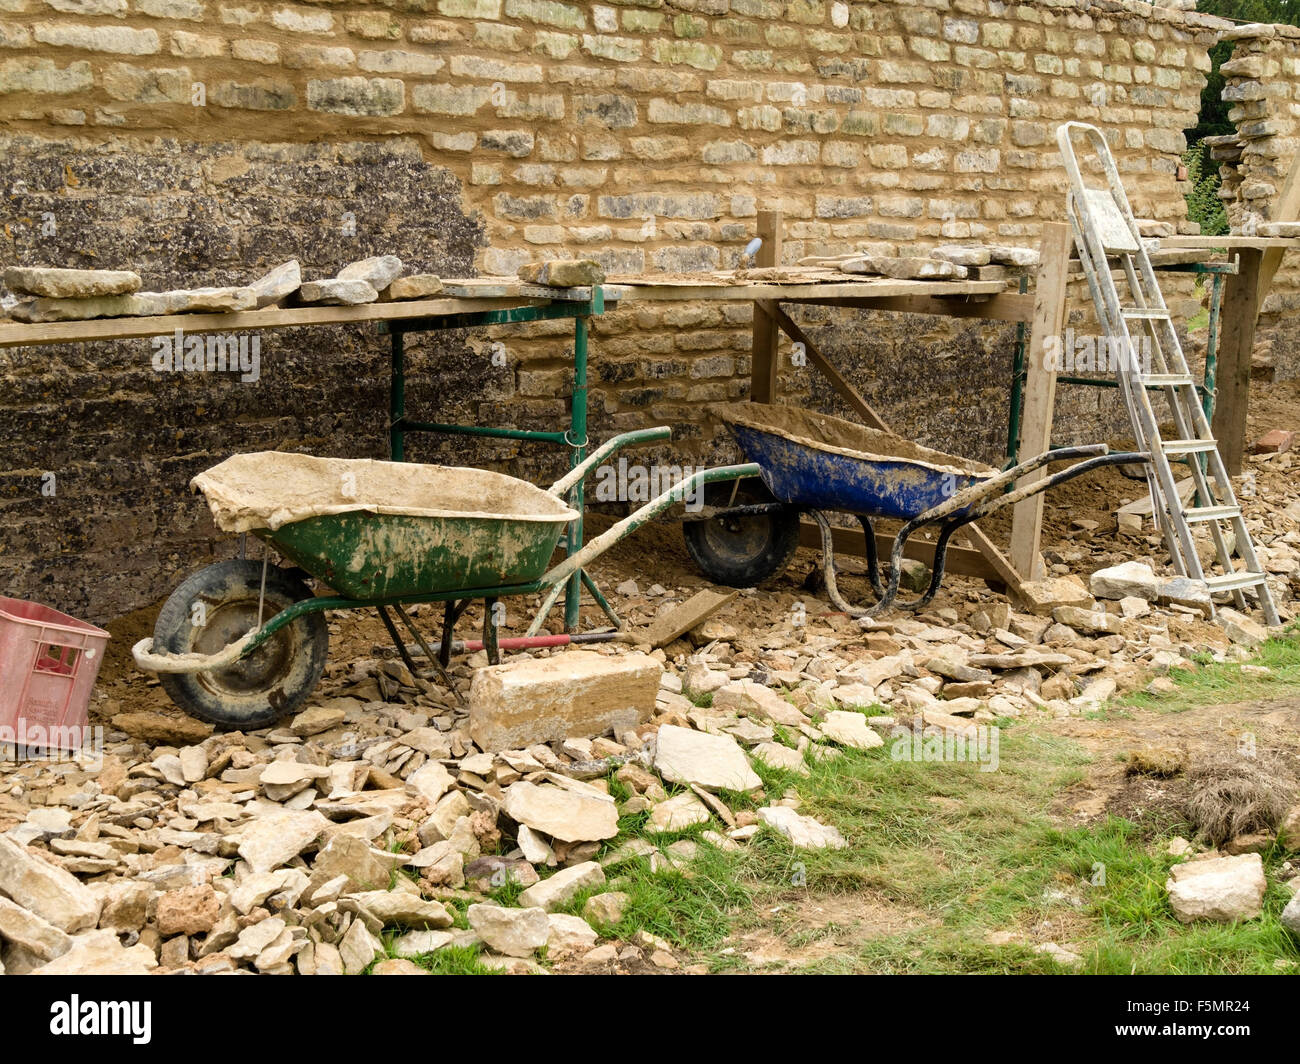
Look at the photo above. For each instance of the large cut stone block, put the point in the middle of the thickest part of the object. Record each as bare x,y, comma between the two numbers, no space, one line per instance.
578,694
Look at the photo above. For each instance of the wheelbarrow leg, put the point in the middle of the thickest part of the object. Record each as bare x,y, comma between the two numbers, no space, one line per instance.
490,632
938,562
397,641
828,567
873,556
427,651
450,615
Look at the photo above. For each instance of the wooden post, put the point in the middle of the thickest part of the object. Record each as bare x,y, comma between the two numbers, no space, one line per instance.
763,356
1232,381
1040,391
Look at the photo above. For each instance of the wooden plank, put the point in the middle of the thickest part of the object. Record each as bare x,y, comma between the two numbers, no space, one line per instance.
763,352
1256,242
1040,392
877,288
690,614
837,379
65,332
964,561
1006,306
1232,379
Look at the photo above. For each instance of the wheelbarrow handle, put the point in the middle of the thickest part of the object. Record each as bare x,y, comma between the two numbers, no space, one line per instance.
993,485
558,576
575,475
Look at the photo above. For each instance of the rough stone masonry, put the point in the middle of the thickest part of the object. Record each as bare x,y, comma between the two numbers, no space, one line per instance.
201,142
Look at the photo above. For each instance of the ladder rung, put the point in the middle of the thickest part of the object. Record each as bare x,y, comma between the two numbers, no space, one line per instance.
1210,513
1145,313
1234,580
1167,380
1189,446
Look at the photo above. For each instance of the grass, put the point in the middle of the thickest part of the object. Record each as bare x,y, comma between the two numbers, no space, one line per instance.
1223,683
942,856
954,854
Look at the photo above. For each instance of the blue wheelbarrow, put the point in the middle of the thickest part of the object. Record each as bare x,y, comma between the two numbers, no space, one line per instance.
747,531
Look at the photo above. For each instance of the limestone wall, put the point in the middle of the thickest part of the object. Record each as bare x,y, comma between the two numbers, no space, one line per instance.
201,141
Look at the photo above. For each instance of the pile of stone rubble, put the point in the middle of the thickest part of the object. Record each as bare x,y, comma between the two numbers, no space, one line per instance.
387,821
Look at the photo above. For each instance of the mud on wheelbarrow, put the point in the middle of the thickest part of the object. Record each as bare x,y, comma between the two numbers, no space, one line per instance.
242,643
812,463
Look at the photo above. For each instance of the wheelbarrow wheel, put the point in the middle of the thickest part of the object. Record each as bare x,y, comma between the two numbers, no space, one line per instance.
214,607
742,550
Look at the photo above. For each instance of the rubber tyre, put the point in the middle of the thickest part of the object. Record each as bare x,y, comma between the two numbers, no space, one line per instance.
271,682
742,551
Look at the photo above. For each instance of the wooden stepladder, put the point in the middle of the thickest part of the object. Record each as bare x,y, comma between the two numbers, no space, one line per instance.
1143,344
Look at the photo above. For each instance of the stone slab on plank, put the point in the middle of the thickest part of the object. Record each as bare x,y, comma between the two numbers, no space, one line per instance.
563,273
56,283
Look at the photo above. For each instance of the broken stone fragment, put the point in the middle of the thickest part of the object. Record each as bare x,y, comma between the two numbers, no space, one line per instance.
379,271
563,273
569,934
962,254
1267,229
195,300
269,841
906,268
1220,889
160,729
850,729
279,284
1131,579
1090,622
802,831
56,283
402,908
1008,256
188,911
1241,629
563,814
26,929
33,311
514,932
746,696
1041,597
416,286
334,292
1185,591
714,762
678,813
52,893
101,953
774,755
606,908
558,890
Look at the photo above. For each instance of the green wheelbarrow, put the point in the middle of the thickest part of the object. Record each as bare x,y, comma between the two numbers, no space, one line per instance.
242,643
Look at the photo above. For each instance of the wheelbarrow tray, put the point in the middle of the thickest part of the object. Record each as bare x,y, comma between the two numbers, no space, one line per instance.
820,462
381,530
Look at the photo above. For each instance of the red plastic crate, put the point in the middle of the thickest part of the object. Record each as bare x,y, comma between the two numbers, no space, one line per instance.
48,665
